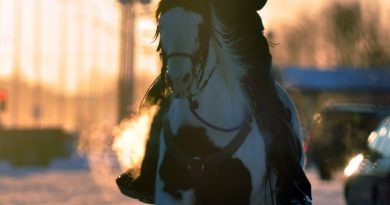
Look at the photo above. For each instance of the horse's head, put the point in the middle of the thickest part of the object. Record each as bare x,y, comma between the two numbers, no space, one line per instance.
182,40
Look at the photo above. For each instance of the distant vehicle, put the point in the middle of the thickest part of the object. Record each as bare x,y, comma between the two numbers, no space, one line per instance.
339,132
368,175
34,146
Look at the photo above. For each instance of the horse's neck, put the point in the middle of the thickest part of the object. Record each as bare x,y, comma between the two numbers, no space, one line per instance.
223,99
222,102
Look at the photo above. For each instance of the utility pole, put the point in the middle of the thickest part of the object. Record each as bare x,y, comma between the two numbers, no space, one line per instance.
93,78
126,76
16,62
80,117
126,70
37,103
3,95
62,108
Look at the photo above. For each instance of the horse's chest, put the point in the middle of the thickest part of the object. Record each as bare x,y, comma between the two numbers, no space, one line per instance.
228,182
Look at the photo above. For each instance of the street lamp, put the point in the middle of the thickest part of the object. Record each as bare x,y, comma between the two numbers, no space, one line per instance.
126,70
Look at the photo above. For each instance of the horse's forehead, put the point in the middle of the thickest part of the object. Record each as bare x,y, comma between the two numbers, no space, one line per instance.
179,18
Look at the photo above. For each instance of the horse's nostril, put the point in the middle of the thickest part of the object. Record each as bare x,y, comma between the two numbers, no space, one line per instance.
187,78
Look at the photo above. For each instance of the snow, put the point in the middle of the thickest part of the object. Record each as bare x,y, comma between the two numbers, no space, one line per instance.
69,182
326,192
73,182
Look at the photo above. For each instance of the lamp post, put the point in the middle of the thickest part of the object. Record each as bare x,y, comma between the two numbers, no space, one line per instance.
62,104
126,70
37,103
3,104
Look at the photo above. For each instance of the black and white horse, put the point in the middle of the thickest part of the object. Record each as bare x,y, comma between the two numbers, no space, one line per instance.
211,148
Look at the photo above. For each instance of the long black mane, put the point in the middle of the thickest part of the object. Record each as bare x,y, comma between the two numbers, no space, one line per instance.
243,31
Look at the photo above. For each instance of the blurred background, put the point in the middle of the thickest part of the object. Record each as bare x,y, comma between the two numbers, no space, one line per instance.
73,72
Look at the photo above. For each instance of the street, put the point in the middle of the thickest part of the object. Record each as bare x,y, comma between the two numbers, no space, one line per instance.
73,183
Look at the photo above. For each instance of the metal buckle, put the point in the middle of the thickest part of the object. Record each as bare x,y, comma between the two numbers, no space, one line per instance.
195,163
196,168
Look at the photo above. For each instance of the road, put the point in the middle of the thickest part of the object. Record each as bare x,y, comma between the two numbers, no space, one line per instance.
75,183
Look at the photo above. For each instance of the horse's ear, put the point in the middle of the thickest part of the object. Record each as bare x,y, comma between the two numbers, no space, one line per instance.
159,46
204,27
203,31
260,4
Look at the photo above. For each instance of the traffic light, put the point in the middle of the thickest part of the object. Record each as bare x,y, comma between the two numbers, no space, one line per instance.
3,99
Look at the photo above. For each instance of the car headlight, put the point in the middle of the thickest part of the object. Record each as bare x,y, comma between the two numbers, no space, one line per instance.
353,165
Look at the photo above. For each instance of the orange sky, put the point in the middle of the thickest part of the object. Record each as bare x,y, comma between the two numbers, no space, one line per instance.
276,11
96,20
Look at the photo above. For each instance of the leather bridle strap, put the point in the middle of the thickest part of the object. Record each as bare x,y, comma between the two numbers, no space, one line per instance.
180,54
231,148
179,155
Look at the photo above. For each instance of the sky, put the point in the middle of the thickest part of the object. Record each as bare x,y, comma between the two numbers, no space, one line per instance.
276,11
286,10
58,43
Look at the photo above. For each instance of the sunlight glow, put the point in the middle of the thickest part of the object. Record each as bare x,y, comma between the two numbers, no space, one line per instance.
147,24
53,33
146,64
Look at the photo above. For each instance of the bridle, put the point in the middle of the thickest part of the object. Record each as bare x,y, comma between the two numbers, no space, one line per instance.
198,61
197,70
201,84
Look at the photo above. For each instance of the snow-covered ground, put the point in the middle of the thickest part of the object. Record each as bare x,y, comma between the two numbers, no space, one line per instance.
73,182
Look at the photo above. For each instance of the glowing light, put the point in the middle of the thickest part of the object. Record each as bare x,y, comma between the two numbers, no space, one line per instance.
383,131
372,137
353,165
147,24
130,139
317,117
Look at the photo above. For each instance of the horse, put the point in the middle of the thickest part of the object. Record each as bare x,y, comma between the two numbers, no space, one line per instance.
209,129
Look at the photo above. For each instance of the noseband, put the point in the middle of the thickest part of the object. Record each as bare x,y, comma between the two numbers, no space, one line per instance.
197,70
193,58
